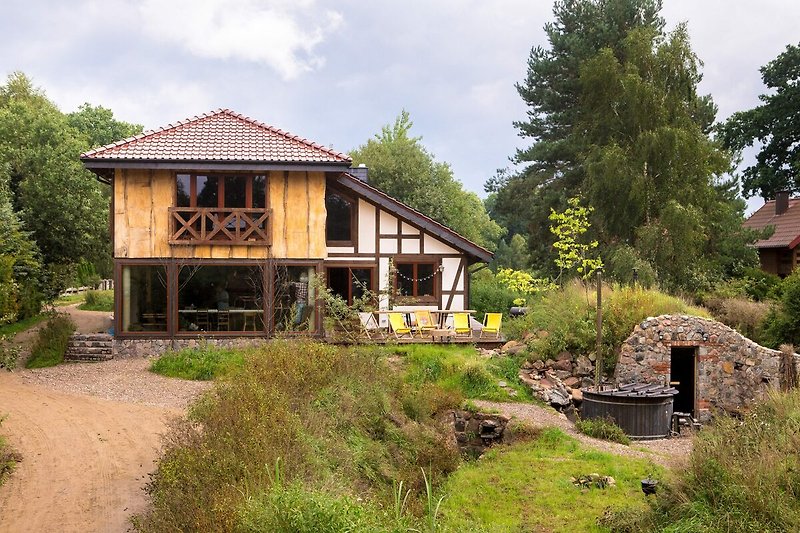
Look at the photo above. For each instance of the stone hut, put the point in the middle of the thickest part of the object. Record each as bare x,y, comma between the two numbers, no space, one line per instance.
712,366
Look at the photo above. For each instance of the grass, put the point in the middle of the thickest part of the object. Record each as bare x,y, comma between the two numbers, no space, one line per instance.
98,301
743,475
69,299
603,428
203,363
461,369
333,418
527,487
51,342
9,330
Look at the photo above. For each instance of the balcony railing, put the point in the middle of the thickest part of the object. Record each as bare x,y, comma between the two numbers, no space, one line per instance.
203,225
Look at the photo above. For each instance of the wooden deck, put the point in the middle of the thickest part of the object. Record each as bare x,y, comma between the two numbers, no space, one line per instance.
485,342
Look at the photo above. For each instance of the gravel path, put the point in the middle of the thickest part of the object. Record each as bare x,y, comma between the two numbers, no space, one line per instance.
665,452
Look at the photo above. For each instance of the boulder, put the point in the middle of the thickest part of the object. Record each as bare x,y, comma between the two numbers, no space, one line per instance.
538,365
510,345
583,366
564,356
577,395
563,364
572,382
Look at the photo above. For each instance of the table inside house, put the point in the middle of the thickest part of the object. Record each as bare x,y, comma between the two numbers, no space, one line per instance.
205,319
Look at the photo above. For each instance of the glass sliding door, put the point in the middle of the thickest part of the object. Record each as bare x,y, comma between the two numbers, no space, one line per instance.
293,307
220,299
143,298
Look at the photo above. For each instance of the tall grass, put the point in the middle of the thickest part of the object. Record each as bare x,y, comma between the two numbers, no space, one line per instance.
51,341
564,320
8,457
333,417
98,301
743,475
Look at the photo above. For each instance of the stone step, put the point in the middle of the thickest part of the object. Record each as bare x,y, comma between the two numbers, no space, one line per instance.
89,349
87,357
92,337
89,344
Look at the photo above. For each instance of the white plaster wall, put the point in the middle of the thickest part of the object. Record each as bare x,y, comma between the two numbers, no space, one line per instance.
410,246
389,246
408,229
435,246
341,249
388,223
366,227
450,265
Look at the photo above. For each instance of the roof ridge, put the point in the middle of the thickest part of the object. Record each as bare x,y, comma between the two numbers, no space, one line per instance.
152,132
219,111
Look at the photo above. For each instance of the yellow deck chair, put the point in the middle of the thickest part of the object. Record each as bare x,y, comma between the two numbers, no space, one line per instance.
461,325
491,324
425,321
397,324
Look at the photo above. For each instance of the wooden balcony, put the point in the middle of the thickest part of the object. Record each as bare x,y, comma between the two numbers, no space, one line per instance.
204,225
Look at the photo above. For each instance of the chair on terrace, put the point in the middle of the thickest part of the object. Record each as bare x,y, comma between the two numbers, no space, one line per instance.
461,325
425,322
368,323
491,324
397,323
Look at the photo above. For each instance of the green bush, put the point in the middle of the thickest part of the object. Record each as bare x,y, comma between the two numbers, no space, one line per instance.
203,363
51,341
782,325
487,295
9,354
98,301
564,320
332,417
742,475
602,428
746,316
8,457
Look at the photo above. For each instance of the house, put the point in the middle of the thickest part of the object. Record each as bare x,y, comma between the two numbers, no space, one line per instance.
220,223
779,253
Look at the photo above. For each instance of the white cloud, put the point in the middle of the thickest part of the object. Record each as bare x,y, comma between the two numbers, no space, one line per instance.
281,34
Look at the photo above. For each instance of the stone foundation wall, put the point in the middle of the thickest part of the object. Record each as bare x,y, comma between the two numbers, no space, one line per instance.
155,347
732,371
475,432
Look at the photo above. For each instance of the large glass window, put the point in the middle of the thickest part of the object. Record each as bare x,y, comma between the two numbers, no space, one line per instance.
144,298
221,191
350,283
340,217
220,298
417,280
294,299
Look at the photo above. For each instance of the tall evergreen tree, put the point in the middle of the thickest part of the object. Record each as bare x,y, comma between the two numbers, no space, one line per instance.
776,125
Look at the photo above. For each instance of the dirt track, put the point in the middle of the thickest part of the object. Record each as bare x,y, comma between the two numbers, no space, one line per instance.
85,459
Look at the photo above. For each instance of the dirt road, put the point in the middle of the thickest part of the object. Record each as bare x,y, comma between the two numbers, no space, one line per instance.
85,459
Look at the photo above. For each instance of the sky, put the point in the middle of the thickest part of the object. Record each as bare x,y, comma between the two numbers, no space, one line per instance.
337,71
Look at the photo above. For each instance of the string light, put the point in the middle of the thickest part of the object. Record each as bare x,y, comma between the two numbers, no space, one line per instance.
426,278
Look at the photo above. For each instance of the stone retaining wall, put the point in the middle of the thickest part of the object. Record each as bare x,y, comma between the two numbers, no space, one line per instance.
732,371
154,347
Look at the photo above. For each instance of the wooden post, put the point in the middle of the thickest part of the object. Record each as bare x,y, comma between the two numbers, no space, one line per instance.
598,362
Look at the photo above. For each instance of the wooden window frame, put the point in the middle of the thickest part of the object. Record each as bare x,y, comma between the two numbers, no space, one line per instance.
221,188
353,217
350,266
417,260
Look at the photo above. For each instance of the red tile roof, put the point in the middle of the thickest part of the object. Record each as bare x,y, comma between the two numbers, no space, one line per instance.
220,135
787,225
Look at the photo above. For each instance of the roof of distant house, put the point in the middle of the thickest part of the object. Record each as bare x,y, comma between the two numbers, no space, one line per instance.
787,225
218,136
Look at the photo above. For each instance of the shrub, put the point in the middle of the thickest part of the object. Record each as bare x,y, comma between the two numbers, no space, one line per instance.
488,295
743,474
602,428
8,457
98,301
9,354
51,341
745,316
782,326
203,363
332,416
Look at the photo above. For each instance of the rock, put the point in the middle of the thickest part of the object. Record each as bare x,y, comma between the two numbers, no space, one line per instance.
592,357
577,395
583,366
528,337
572,382
526,378
538,365
562,374
507,347
549,363
502,384
547,383
517,348
727,367
564,356
563,364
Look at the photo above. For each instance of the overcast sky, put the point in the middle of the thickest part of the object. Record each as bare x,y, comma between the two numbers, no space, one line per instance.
335,72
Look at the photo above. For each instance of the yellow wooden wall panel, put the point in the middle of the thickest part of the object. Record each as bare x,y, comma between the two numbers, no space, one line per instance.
162,198
317,214
296,220
277,190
